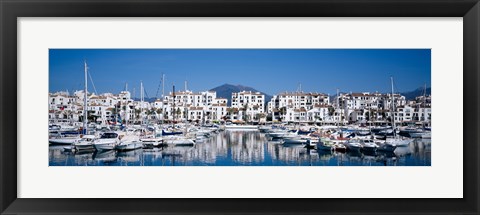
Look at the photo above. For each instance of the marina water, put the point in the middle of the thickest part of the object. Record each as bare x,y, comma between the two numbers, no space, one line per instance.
243,148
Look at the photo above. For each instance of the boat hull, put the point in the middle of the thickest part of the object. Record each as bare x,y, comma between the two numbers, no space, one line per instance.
323,147
63,141
104,146
295,141
84,147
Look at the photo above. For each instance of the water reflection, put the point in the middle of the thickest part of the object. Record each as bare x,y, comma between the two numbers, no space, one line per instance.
240,148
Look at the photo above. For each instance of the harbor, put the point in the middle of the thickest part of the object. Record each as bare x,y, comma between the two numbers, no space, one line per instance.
244,148
237,125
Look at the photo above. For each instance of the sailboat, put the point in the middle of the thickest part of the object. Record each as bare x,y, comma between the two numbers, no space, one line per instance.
131,141
391,144
72,140
178,140
426,133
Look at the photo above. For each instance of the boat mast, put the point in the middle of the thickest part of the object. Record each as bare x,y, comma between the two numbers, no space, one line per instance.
163,86
141,103
125,105
85,104
185,109
174,110
185,102
393,109
338,103
163,96
424,105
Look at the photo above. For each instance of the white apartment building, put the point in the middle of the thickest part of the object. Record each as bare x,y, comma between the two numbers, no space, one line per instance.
190,106
298,100
321,113
250,104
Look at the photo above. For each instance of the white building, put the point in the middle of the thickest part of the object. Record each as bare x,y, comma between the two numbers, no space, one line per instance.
189,105
250,104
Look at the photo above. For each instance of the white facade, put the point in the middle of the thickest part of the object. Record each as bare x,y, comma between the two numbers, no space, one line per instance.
246,107
251,105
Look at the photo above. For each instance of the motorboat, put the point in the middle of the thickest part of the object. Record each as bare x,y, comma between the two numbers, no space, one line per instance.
64,140
126,146
391,144
86,143
398,142
296,140
325,146
412,132
369,145
107,141
278,133
340,147
353,145
152,142
363,132
386,147
167,133
129,142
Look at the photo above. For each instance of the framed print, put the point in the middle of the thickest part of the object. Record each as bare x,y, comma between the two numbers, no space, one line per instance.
314,107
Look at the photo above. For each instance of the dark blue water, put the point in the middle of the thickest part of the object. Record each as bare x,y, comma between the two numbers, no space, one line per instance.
240,148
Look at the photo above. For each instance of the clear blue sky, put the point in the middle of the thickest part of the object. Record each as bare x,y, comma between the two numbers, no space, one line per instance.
267,70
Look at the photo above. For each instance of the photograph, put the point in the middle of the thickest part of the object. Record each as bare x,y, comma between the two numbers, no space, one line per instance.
239,107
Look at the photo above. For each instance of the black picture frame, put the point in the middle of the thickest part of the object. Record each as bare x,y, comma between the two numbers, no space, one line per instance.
10,10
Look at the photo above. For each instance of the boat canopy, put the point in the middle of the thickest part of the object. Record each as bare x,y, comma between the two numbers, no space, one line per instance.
109,135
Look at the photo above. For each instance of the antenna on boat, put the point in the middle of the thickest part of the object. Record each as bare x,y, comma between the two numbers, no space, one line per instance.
141,103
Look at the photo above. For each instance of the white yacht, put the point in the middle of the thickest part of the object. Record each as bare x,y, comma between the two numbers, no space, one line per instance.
297,139
64,140
86,143
107,141
353,145
152,142
369,145
129,142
